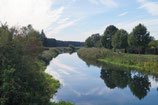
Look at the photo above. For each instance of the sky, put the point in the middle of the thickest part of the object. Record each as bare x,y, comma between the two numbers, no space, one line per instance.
75,20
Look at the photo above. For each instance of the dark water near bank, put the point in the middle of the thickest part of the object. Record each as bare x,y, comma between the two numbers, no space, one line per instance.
84,84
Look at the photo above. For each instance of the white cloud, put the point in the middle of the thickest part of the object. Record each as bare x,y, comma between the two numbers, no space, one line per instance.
107,3
123,14
60,27
151,7
63,20
151,24
39,13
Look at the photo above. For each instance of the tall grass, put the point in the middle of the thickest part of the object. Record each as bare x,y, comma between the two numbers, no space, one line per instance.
148,63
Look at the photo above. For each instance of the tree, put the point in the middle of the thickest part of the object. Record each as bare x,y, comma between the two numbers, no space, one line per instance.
139,38
22,79
89,42
93,40
119,40
44,38
153,44
5,34
106,40
72,48
139,85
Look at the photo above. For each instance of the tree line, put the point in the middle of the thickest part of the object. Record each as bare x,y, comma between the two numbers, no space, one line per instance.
22,77
138,41
52,42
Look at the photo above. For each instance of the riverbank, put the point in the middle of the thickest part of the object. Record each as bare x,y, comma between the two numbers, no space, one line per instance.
143,63
50,53
47,55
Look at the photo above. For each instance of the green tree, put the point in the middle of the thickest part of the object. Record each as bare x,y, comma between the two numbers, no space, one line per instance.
72,48
5,34
22,80
93,40
119,40
44,38
139,38
106,39
153,44
89,42
139,85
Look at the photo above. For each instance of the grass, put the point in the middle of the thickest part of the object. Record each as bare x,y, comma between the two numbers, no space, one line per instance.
147,63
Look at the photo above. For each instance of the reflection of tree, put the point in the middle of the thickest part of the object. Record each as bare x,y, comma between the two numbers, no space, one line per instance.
106,75
115,78
120,78
140,86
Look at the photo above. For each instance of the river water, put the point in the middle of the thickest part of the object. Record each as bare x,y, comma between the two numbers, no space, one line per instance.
83,83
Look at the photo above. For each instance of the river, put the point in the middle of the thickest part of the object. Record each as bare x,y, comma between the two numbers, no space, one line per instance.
86,84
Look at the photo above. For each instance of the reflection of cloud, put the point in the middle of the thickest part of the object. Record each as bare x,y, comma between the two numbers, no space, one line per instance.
77,93
95,91
64,72
54,99
59,71
154,84
92,91
104,90
65,67
55,75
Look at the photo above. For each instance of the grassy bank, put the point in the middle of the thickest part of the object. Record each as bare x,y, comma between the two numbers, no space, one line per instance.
147,63
50,53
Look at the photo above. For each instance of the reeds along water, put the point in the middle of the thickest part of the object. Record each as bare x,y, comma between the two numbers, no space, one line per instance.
146,63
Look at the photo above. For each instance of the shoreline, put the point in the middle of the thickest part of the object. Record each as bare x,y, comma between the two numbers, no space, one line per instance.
143,63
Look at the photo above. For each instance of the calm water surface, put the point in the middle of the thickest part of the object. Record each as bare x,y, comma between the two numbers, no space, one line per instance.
85,84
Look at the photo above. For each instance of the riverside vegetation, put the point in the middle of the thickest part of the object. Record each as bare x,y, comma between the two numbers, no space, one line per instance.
115,76
147,63
115,46
22,64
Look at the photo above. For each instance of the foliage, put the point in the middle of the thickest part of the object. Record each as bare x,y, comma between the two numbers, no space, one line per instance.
44,38
22,79
5,35
136,42
153,44
51,42
121,77
93,41
145,63
62,103
119,40
89,42
139,37
72,47
106,39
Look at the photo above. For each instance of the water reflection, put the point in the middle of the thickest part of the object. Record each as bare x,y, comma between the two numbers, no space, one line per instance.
139,84
118,77
89,82
114,78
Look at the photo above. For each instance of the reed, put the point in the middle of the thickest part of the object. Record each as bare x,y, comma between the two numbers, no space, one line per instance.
148,63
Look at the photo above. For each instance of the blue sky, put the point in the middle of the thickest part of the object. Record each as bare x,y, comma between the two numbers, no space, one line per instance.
78,19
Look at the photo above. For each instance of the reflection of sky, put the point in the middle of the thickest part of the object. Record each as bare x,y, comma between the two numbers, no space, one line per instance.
82,85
